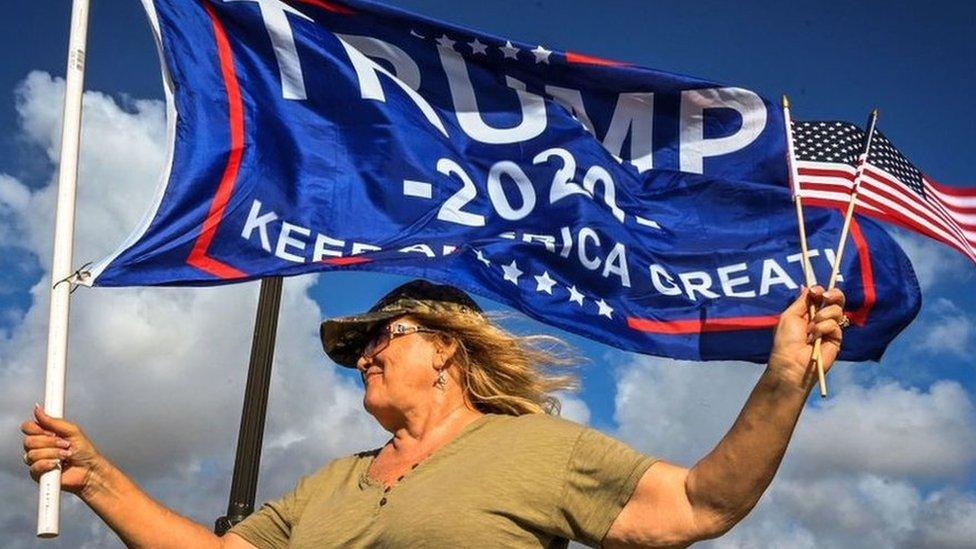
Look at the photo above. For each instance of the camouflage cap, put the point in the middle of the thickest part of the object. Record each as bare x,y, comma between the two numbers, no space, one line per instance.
343,338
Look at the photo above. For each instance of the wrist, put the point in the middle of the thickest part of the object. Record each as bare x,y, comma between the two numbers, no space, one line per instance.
99,480
782,378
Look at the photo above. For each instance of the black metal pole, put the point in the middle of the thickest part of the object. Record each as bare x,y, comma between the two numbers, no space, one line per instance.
251,435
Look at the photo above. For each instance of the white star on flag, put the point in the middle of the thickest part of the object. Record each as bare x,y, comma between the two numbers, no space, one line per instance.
446,42
541,55
575,295
544,283
478,48
482,258
605,310
510,51
512,272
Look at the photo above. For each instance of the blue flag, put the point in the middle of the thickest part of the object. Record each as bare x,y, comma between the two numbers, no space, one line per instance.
646,210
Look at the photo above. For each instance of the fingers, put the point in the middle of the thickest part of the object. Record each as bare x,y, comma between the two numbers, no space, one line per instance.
36,442
828,330
32,428
38,468
830,312
800,305
824,298
57,426
46,454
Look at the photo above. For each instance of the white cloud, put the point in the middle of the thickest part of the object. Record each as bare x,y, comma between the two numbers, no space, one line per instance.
857,471
677,410
947,520
14,196
574,409
121,158
933,262
890,431
949,330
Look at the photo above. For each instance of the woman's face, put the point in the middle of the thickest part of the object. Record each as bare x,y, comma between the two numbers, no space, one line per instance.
401,376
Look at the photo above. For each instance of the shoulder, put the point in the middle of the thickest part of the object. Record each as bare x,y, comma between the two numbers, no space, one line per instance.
337,471
540,424
532,432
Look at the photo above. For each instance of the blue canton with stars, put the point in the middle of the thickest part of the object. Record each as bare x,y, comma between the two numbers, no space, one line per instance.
639,208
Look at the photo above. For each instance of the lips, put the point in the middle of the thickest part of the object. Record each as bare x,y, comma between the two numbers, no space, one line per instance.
371,372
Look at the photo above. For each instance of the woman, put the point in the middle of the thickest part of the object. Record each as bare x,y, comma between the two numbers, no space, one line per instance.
476,459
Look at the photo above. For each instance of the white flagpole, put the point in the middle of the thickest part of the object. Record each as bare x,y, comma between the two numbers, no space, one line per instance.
862,161
49,504
808,273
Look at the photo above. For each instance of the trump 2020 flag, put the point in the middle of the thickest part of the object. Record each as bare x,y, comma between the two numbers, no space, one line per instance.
642,209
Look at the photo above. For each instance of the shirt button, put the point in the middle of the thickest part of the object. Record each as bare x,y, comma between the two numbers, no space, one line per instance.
383,502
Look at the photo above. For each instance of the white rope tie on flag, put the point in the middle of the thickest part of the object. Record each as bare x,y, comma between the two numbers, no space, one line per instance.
76,278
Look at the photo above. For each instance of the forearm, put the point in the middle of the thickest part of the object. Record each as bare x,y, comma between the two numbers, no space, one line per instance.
725,485
138,519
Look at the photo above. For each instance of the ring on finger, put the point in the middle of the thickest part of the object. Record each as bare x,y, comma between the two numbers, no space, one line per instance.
844,322
26,459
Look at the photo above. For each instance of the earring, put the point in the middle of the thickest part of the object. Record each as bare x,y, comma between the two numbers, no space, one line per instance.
441,382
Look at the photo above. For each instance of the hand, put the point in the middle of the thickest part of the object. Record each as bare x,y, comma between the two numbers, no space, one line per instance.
50,442
795,334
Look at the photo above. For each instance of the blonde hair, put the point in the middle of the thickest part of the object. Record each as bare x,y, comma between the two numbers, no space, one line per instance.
503,373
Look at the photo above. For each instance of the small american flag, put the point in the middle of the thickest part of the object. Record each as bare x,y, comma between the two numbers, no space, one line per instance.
892,189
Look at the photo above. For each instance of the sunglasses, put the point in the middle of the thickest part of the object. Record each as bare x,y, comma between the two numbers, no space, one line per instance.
387,333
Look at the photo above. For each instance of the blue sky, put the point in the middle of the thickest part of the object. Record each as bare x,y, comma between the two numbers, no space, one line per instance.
837,60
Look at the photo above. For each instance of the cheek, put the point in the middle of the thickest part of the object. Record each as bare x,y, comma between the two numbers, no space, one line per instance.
407,376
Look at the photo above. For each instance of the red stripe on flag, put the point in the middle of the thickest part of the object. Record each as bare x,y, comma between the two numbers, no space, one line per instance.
350,260
860,316
198,255
961,192
702,325
329,6
910,223
924,211
699,325
956,202
939,216
825,172
592,60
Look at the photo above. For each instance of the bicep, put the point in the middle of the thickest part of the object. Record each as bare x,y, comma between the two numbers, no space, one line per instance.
658,513
233,541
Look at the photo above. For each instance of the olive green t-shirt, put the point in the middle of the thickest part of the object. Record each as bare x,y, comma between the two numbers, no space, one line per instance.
505,481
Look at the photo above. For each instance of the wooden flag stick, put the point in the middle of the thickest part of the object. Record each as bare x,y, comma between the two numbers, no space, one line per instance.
835,269
811,279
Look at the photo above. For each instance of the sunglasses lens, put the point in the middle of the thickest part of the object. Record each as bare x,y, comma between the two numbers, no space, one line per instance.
376,343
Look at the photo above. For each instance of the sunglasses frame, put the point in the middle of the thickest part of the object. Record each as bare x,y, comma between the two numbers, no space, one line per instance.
387,334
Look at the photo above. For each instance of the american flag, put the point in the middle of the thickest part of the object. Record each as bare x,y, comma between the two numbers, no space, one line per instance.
891,188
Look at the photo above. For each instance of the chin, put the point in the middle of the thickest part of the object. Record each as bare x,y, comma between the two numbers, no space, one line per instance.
381,410
373,403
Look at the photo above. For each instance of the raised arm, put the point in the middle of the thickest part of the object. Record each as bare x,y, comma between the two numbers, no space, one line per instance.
137,519
675,506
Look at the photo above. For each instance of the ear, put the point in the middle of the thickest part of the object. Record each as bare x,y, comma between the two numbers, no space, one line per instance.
445,349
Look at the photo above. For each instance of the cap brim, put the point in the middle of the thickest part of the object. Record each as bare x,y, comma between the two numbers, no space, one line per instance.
343,338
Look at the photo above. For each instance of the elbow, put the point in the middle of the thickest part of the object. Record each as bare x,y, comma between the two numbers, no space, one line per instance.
711,523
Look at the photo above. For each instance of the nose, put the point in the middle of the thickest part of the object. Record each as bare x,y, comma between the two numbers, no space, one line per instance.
362,363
